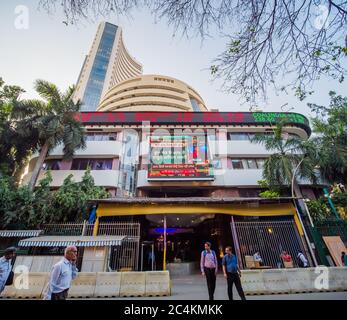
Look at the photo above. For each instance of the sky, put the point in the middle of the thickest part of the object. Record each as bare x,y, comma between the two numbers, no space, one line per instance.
50,50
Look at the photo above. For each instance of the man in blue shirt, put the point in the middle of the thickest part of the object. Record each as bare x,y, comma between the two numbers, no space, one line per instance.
232,273
61,276
5,266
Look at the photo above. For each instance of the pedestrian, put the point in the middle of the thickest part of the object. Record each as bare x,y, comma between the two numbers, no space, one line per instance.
209,268
257,258
302,261
6,267
232,273
61,275
344,258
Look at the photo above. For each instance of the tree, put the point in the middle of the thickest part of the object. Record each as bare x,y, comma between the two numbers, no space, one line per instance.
330,128
17,139
288,154
71,200
54,123
24,208
266,40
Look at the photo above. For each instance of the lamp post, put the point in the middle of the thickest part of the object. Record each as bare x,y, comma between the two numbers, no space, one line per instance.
299,216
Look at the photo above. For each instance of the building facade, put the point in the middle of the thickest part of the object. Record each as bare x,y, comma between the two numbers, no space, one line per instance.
169,162
107,64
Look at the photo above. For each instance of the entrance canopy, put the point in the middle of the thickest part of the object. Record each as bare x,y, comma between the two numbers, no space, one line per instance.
199,206
79,241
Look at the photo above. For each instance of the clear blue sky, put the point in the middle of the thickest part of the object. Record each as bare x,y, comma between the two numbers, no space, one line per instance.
50,50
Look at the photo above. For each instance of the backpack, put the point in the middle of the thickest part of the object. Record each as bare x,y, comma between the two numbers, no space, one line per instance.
300,262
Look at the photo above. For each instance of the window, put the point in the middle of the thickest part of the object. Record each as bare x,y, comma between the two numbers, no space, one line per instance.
93,164
237,164
101,136
52,164
237,136
251,163
260,163
254,163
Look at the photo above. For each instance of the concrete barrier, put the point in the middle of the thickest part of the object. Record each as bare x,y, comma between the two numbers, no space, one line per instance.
133,284
275,281
9,291
337,279
36,283
157,283
301,280
83,286
107,285
252,282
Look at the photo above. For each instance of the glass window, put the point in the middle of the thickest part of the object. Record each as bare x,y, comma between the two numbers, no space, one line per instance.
195,105
96,79
260,163
52,164
237,136
251,164
237,164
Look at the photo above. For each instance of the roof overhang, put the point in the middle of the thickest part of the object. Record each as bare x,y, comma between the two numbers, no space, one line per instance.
19,233
78,241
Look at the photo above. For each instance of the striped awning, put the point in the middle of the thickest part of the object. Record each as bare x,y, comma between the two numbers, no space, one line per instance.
19,233
78,241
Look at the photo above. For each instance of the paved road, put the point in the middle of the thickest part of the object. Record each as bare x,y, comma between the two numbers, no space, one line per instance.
194,288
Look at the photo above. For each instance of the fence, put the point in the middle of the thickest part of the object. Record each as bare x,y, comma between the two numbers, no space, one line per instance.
123,257
269,238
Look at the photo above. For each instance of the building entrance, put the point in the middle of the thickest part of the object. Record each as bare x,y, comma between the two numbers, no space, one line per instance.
186,235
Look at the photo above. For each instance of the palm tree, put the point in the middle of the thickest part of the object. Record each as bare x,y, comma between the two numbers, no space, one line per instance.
288,154
54,123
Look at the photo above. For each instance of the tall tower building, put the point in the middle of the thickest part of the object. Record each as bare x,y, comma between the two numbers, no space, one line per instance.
107,64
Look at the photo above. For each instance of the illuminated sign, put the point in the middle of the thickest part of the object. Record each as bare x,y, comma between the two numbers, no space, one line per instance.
193,118
179,158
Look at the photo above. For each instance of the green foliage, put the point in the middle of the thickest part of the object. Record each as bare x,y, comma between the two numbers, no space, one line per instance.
319,210
22,208
330,127
17,141
272,192
287,154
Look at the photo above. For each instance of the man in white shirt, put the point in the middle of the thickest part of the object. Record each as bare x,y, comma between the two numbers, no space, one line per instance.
303,263
61,275
6,266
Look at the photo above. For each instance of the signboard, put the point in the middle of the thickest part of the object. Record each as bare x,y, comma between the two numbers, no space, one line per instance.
335,246
193,118
179,158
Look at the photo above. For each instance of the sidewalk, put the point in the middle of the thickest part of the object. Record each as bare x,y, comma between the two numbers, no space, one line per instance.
194,287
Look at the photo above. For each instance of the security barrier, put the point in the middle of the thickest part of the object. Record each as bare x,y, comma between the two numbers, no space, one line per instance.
337,279
29,286
253,282
133,284
157,283
107,284
301,280
275,281
83,286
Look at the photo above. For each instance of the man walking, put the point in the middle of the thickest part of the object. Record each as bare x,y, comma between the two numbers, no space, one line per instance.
232,273
6,266
209,268
61,275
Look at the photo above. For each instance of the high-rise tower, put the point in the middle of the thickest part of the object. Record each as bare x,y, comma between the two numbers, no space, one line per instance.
107,64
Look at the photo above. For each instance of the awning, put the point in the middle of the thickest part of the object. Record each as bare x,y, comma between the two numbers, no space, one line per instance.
78,241
19,233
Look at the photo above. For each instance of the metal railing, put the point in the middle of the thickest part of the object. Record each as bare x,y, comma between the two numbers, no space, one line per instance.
269,238
123,257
